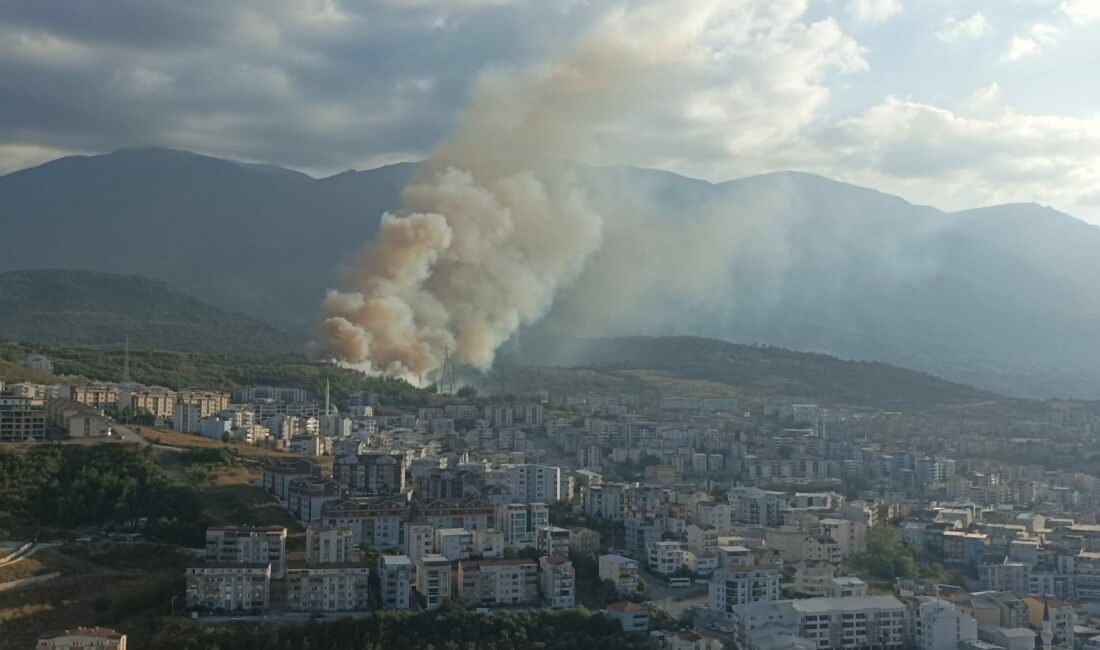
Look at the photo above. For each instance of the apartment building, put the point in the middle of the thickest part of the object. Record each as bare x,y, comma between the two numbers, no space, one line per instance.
604,501
488,544
939,626
375,472
622,571
731,587
831,623
159,402
665,558
229,587
433,580
419,540
395,575
76,419
519,521
583,541
248,545
330,545
279,473
552,540
378,520
327,587
306,497
631,617
22,419
557,581
99,396
395,581
529,483
187,418
83,638
454,543
488,583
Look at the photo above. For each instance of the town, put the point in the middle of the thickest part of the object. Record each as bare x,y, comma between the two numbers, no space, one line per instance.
694,523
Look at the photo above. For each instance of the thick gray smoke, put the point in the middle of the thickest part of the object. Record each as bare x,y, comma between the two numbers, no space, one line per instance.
495,224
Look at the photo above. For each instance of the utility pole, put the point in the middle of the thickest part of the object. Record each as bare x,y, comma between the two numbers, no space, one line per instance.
126,362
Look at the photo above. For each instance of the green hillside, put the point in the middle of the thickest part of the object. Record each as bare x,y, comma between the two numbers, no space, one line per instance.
84,308
670,366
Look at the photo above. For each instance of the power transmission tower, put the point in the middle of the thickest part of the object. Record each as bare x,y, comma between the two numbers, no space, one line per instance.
447,376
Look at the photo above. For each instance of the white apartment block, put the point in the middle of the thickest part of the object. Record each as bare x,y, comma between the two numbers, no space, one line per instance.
832,623
454,543
845,587
939,626
665,557
702,539
395,575
797,546
488,544
530,483
330,545
419,540
487,583
327,587
850,536
622,571
557,581
732,587
229,587
605,501
248,545
433,580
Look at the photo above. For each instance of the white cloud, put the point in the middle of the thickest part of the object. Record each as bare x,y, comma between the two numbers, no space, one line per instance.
1081,12
919,150
873,11
1032,42
954,29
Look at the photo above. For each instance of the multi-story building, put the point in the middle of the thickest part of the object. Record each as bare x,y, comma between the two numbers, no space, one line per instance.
100,396
83,638
375,472
330,545
519,521
419,540
306,497
557,581
433,580
395,575
939,626
279,473
797,546
248,545
552,540
158,402
529,483
640,533
831,623
377,520
327,587
604,501
275,393
632,617
22,419
469,513
208,401
694,640
731,587
454,543
665,558
583,541
76,419
757,507
229,587
622,571
187,418
486,583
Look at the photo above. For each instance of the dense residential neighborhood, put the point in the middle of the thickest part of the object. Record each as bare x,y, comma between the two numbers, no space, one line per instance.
689,521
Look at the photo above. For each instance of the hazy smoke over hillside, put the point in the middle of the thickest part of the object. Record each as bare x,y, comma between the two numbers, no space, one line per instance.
495,225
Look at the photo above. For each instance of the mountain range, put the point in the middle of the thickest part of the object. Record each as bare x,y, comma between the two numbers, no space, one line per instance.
1004,298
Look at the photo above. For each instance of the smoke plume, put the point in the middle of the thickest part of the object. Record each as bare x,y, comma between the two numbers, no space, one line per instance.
496,223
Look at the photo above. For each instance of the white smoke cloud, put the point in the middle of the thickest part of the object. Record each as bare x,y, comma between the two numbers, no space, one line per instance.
493,227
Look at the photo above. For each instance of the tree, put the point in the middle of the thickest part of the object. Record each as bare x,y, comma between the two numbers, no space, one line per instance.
466,392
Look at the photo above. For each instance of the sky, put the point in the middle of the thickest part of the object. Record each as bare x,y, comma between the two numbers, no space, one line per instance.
951,103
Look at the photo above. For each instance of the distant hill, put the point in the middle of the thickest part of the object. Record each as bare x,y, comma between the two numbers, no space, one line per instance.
1004,297
699,367
85,308
253,239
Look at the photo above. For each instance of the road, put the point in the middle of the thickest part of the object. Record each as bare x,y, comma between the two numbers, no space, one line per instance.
125,434
673,600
